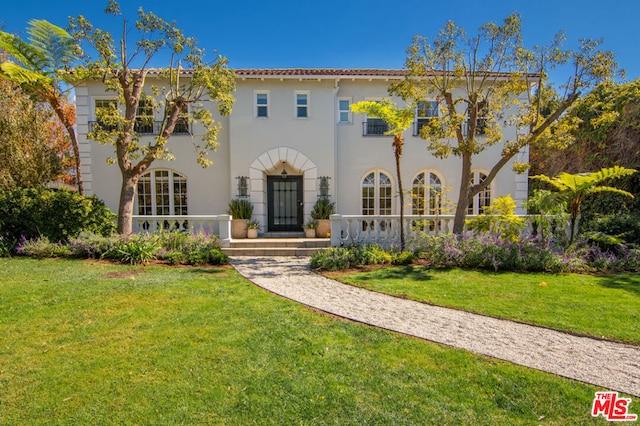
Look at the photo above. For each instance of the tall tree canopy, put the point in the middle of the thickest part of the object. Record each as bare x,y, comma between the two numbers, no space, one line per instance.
41,67
124,66
484,81
29,142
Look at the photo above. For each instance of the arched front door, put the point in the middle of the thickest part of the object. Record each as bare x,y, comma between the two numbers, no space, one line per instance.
285,203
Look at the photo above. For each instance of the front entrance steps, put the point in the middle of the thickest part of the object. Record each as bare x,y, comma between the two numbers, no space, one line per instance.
274,246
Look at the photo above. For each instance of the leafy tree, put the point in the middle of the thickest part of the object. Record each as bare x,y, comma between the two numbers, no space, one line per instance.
41,66
575,188
486,80
180,97
28,142
398,120
500,220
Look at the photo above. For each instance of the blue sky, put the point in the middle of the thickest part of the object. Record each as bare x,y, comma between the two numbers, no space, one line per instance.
349,33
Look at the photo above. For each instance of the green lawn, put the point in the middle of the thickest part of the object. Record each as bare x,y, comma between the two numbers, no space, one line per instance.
94,343
604,306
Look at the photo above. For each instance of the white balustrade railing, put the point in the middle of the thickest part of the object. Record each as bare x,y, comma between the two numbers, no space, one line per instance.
385,230
219,225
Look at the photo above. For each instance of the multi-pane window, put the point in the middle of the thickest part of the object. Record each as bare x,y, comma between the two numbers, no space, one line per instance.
104,110
182,125
376,194
344,110
162,193
481,200
302,104
262,104
374,126
425,111
481,121
144,117
426,194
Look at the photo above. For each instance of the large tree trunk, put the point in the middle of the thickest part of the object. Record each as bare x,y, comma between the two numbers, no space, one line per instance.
125,208
464,195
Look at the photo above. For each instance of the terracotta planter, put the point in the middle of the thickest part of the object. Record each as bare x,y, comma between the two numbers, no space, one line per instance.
309,233
252,233
324,228
239,228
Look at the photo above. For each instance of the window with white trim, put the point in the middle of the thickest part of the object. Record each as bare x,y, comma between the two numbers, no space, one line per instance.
481,200
426,194
344,110
162,193
144,117
377,194
262,104
425,111
107,107
302,104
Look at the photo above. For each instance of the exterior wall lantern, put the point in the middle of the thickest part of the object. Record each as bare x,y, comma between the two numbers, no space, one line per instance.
324,186
284,173
243,186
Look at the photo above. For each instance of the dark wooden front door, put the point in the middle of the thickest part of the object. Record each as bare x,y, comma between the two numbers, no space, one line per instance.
284,203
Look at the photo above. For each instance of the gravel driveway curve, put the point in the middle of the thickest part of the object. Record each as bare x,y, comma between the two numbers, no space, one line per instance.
614,366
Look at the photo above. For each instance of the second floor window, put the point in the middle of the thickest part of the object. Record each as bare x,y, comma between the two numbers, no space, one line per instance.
262,104
105,110
344,110
302,104
144,117
425,111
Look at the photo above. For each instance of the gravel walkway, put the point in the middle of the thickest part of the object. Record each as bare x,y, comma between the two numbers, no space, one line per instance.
611,365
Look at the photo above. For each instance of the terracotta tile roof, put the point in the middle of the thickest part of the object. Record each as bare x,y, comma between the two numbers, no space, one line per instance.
324,72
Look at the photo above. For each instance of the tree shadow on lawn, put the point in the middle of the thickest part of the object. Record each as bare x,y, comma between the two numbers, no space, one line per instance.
414,273
629,282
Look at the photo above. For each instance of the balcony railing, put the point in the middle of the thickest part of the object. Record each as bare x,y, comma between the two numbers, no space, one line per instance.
149,127
374,127
385,230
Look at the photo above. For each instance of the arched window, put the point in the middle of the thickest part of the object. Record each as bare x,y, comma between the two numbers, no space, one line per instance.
162,193
481,200
426,194
376,194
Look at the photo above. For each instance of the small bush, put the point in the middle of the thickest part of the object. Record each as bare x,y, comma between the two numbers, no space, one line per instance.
174,257
217,257
340,258
89,245
42,248
134,250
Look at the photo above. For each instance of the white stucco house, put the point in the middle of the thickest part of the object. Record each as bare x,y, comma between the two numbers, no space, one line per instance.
291,139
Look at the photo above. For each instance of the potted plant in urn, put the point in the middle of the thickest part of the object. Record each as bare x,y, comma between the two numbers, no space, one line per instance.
322,210
252,229
240,211
310,228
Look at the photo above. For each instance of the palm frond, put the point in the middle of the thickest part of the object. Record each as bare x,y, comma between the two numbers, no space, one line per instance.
55,44
21,75
612,189
612,173
25,54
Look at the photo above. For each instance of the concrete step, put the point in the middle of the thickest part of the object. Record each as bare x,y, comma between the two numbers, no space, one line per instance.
276,246
273,251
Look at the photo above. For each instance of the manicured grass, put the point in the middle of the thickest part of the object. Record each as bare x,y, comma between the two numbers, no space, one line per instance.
604,306
95,343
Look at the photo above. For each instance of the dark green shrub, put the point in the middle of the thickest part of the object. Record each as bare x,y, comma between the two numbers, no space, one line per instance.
174,257
217,257
56,215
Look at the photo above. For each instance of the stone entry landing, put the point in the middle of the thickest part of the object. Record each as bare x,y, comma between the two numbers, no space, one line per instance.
274,246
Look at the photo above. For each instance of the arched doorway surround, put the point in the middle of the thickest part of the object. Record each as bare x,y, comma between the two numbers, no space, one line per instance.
272,163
